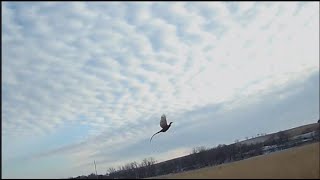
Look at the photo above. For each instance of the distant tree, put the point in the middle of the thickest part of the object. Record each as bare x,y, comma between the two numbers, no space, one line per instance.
199,156
111,170
92,176
147,167
282,137
307,130
134,168
199,149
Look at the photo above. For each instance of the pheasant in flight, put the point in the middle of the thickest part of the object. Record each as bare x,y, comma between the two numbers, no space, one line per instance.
163,125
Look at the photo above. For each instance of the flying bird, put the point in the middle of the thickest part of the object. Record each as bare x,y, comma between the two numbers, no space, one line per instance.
163,125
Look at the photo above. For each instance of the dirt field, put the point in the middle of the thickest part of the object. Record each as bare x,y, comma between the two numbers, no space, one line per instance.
295,163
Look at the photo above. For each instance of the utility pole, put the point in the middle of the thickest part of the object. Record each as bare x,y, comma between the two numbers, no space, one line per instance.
95,168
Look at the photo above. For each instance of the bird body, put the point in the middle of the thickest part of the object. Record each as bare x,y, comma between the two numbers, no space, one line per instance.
163,125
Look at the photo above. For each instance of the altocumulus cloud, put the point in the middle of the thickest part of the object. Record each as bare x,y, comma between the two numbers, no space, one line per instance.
86,81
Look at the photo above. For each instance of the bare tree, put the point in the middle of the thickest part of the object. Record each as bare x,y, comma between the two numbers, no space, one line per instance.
111,170
282,137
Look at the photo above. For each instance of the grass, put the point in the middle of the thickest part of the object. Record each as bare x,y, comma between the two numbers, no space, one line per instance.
294,163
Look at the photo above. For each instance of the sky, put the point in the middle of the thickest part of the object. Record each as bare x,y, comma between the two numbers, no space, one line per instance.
89,81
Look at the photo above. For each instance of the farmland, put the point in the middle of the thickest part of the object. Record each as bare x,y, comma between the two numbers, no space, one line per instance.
297,162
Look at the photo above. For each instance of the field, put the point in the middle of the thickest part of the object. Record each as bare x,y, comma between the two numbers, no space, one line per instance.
295,163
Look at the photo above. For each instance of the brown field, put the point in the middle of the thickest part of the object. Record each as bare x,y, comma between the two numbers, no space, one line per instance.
295,163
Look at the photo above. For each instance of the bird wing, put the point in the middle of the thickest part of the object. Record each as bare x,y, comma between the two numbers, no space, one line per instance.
163,121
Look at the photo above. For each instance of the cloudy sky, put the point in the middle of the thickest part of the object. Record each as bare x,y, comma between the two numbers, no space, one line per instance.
85,81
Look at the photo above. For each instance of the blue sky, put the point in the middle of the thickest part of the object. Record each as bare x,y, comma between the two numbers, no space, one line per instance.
85,81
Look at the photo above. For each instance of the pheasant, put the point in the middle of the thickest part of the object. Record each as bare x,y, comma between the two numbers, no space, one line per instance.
163,125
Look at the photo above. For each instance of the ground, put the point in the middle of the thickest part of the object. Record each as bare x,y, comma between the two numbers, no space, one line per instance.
294,163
